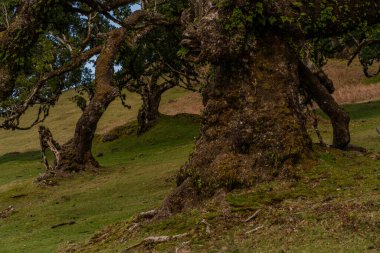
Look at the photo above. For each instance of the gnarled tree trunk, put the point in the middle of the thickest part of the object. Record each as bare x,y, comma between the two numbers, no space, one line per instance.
253,126
151,94
148,113
76,154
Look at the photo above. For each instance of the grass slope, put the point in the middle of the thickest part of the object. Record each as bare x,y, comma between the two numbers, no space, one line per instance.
64,116
137,176
332,206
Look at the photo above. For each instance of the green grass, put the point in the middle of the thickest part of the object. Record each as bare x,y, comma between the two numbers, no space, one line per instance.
64,116
136,177
372,80
332,206
365,118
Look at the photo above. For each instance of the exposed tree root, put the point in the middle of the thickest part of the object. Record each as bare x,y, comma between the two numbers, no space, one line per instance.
65,159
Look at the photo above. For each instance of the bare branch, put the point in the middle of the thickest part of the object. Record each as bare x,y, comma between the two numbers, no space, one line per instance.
12,121
363,44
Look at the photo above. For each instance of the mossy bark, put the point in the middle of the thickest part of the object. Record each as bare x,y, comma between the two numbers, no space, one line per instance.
253,126
151,94
148,113
76,154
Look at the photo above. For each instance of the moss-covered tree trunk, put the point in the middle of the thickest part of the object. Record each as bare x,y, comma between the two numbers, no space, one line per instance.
151,94
76,155
148,113
253,126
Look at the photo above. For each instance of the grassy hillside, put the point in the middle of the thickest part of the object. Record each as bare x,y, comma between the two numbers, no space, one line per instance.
65,114
332,206
138,174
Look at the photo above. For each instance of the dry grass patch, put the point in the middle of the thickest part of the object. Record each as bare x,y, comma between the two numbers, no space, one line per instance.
350,82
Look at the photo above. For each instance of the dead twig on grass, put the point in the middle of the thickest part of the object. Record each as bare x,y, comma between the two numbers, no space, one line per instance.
253,216
151,240
255,229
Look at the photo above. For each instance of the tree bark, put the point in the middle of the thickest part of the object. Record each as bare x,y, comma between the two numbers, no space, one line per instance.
151,93
148,113
253,126
76,155
253,123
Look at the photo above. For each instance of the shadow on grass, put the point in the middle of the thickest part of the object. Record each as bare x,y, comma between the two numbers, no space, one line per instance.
20,157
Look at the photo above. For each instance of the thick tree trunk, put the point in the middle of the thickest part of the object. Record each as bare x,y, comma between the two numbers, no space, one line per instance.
321,95
253,126
76,155
148,113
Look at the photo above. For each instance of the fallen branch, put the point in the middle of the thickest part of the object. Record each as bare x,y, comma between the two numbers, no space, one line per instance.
146,215
255,229
7,212
155,240
133,227
253,216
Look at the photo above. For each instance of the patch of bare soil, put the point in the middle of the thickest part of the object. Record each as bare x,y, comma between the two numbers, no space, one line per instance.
190,103
349,82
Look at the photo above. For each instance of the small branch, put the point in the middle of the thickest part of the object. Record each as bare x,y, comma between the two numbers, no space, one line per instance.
255,229
365,43
7,212
253,216
89,30
313,115
62,41
147,215
133,227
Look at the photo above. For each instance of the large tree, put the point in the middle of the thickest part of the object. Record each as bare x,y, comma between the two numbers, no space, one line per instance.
254,126
75,33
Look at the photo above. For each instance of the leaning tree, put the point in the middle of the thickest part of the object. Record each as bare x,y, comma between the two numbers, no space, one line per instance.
254,125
